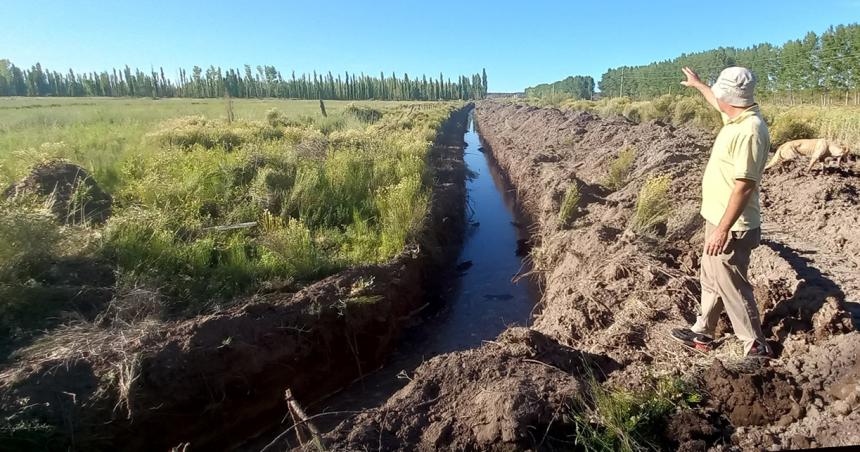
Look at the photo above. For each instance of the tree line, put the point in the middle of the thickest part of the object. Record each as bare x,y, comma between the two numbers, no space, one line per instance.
577,87
265,81
823,68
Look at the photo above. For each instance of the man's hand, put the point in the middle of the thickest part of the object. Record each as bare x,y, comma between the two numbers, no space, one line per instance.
693,80
718,242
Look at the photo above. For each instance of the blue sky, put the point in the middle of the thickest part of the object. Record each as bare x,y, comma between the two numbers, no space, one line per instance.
519,43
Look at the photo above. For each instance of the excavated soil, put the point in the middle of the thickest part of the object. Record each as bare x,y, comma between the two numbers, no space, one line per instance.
215,380
74,195
613,295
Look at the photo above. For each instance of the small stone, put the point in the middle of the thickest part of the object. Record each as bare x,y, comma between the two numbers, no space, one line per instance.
841,407
797,411
818,403
785,421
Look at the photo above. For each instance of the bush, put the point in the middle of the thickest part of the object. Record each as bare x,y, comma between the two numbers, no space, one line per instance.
794,124
364,114
653,205
620,168
569,204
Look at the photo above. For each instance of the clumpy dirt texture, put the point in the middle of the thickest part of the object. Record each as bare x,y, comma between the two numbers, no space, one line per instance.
74,195
215,380
614,292
498,397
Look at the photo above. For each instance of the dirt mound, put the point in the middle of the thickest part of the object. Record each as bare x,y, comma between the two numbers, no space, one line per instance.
502,396
74,195
610,290
756,398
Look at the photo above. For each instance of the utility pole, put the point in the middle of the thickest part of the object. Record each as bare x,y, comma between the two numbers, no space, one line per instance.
621,89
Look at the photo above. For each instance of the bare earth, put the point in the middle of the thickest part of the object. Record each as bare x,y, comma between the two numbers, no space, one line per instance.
612,296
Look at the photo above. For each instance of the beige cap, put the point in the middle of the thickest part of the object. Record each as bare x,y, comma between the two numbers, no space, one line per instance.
735,86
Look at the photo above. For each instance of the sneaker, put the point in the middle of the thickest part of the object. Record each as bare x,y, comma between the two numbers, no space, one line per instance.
760,350
696,341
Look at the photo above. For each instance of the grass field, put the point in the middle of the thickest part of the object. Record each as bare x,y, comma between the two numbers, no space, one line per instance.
98,133
320,194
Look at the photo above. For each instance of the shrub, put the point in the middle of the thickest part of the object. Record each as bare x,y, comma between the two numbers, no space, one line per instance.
653,205
568,210
620,168
794,125
364,114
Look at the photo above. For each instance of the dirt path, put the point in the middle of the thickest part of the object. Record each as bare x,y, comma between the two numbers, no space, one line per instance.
612,295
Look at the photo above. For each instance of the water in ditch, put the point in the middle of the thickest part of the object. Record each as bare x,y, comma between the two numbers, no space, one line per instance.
482,297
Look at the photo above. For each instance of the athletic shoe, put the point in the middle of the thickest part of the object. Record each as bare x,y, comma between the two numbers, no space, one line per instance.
696,341
760,351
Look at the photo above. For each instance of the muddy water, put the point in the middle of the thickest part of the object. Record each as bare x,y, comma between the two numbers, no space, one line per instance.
478,299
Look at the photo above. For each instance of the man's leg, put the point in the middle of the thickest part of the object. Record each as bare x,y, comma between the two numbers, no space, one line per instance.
711,303
736,292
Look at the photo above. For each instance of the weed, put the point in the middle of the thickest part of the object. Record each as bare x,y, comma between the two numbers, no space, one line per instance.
652,205
620,168
569,204
623,420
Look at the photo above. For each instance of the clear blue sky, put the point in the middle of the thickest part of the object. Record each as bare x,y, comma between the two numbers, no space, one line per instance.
519,43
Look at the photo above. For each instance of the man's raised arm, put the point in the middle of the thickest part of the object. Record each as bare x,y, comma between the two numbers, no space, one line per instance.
693,81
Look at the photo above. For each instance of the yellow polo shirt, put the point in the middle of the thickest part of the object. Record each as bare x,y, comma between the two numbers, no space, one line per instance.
739,152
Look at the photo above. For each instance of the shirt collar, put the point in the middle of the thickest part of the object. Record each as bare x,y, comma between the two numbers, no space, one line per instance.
752,110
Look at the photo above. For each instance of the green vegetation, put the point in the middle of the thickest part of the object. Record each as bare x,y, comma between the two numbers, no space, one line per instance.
574,87
785,122
569,204
206,209
266,81
623,420
652,205
619,169
815,69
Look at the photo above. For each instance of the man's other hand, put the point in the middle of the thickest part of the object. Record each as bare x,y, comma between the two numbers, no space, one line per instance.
693,79
718,242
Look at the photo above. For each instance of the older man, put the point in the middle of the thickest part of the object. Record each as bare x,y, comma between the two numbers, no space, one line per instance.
730,206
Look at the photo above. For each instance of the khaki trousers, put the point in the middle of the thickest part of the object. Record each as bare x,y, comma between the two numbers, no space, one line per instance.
725,284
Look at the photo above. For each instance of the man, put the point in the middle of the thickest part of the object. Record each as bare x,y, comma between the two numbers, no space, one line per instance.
730,206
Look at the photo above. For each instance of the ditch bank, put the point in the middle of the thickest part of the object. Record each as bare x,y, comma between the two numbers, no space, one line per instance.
612,295
215,380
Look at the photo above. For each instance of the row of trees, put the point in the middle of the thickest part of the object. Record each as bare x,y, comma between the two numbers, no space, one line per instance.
266,81
577,87
825,68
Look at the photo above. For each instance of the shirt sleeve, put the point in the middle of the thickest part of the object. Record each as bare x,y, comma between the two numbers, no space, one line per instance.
746,157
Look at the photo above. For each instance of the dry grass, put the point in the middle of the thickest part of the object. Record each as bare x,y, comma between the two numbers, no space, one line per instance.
567,212
620,168
653,205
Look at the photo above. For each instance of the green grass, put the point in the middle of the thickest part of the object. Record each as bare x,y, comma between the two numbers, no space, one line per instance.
101,133
324,193
615,419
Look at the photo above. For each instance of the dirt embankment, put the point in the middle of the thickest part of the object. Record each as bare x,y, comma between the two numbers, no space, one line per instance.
613,295
218,379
